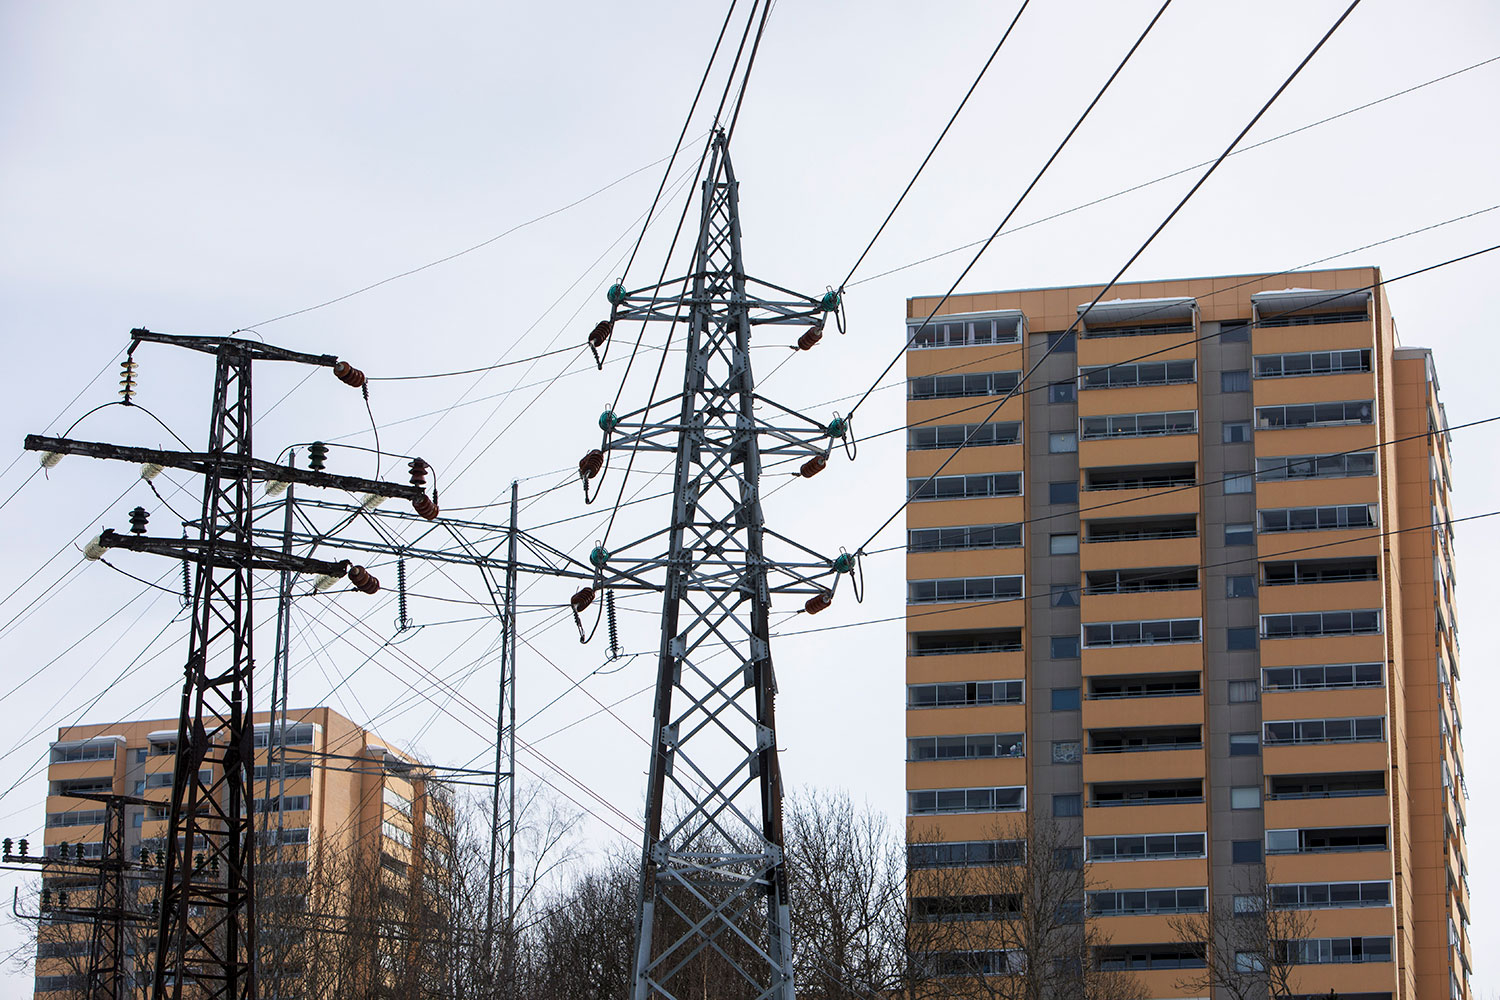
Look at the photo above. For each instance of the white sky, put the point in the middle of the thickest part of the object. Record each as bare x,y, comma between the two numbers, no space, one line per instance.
197,170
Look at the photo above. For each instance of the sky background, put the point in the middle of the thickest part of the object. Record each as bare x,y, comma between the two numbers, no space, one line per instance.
201,170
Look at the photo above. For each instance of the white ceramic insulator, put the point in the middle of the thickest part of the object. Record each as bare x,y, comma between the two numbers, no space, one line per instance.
150,471
323,582
370,501
94,549
50,459
275,488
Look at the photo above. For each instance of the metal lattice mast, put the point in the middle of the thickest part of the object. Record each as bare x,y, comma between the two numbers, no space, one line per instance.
714,886
107,974
209,819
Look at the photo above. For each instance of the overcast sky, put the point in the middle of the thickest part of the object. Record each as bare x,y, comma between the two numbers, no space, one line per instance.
196,169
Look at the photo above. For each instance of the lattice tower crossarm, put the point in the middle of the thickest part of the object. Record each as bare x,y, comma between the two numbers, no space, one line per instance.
714,884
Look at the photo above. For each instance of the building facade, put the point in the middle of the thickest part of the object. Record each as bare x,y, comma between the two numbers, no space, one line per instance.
333,791
1190,594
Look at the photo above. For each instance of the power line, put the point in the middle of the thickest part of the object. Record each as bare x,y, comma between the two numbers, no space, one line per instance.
1131,260
1253,557
1178,173
941,136
454,256
1016,207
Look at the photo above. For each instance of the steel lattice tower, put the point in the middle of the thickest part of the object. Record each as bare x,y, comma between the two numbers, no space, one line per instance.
714,886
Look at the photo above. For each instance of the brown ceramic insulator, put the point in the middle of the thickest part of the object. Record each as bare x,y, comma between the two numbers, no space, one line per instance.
810,339
819,602
581,600
418,470
425,506
814,465
348,374
363,580
601,333
590,464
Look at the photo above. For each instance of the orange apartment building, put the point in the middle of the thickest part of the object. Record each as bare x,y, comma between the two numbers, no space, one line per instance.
336,786
1190,592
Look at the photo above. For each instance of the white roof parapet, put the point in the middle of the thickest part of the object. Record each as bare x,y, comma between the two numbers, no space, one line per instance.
1118,312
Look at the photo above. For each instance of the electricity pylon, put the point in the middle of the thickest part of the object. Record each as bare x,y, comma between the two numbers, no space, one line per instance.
206,929
713,877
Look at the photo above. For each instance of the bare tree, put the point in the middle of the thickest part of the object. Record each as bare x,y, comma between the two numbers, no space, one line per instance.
1246,942
847,889
1005,920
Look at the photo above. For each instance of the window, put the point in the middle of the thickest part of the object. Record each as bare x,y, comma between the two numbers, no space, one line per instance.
1237,432
1327,895
1066,700
1152,373
1244,852
1067,805
965,642
1113,903
1244,744
967,384
1143,528
1067,859
1239,482
1322,677
1061,444
1324,951
1142,633
1239,534
1305,571
1311,363
1065,647
1146,957
1239,586
296,735
1062,342
964,854
973,588
1320,623
1334,518
1243,691
1367,729
1299,318
77,817
1062,392
964,694
949,332
1063,545
1139,425
1234,332
1337,466
1246,905
975,536
1359,411
966,747
1234,381
1063,492
962,436
140,754
1064,595
933,801
393,832
74,752
1142,847
993,484
289,803
1141,478
1326,840
1240,638
397,801
1249,961
1067,751
1244,797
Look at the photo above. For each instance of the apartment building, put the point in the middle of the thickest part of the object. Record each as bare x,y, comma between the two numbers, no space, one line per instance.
1190,594
333,787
